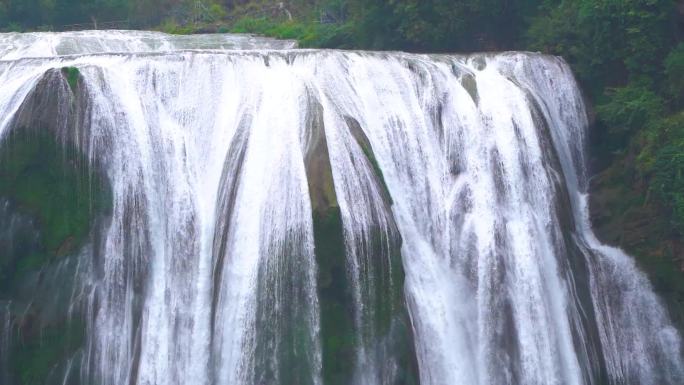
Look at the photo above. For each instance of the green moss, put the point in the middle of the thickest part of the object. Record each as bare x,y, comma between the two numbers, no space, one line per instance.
392,335
72,75
337,323
390,320
35,356
52,184
29,262
674,71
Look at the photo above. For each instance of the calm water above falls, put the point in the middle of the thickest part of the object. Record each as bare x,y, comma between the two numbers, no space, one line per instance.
283,216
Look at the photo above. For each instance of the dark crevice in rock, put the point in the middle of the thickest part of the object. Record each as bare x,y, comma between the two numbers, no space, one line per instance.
230,180
386,329
334,293
468,82
364,143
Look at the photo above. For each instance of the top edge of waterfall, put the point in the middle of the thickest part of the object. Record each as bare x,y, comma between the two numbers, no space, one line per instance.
68,45
15,45
286,53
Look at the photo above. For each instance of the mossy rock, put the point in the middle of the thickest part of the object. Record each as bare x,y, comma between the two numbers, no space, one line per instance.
37,354
54,185
338,333
72,75
57,194
45,175
624,215
392,342
338,337
386,333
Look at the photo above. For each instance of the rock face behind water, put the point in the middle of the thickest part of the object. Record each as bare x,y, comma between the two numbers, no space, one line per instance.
227,210
625,217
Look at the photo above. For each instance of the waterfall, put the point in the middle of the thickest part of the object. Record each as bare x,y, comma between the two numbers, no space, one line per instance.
251,213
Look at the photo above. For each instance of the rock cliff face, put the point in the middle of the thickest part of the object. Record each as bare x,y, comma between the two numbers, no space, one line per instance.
53,199
388,337
626,218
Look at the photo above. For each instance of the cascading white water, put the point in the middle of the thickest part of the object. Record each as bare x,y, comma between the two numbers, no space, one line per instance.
45,44
206,272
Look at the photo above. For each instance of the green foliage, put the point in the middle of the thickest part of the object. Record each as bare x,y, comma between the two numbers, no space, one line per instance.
606,41
32,14
268,27
668,168
3,13
669,181
674,71
661,162
630,108
13,27
35,13
438,25
216,12
172,27
308,34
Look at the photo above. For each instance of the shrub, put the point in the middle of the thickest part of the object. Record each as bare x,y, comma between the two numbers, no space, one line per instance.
13,27
668,181
309,34
607,42
170,26
674,72
217,12
629,109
